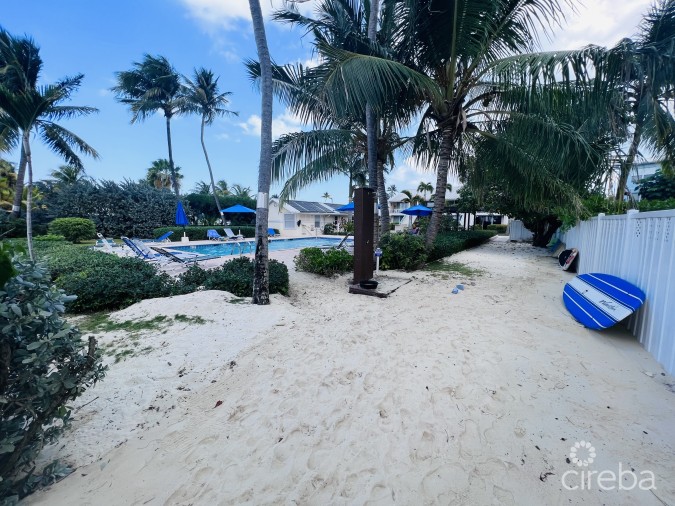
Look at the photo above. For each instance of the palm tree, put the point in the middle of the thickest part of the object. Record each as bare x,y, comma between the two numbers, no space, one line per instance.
68,174
202,188
222,187
644,69
241,191
411,199
391,191
326,196
159,175
26,108
203,97
152,85
261,288
424,188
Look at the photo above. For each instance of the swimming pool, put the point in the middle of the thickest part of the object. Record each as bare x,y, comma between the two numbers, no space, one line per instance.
235,248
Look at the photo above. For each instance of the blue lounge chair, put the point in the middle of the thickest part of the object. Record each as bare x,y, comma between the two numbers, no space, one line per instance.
231,235
164,237
213,235
141,250
272,233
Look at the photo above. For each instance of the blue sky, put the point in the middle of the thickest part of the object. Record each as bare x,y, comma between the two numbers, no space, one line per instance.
98,38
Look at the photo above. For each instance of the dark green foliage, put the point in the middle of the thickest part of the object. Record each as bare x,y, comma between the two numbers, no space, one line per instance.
656,205
12,227
324,262
451,243
402,251
328,229
658,186
204,208
500,229
50,238
235,276
73,229
44,363
127,208
102,281
199,233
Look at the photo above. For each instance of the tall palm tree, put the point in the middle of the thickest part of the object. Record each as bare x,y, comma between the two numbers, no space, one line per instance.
261,288
644,69
26,107
391,190
424,188
152,85
202,188
326,197
204,98
222,187
68,174
241,191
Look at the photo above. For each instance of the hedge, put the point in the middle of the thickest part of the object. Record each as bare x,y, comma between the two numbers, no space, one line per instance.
324,262
500,229
454,242
73,229
402,251
199,233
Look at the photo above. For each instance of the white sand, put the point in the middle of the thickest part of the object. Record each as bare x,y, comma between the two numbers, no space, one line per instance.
422,398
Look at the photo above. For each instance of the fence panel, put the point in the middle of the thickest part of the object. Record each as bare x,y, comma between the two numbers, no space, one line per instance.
640,248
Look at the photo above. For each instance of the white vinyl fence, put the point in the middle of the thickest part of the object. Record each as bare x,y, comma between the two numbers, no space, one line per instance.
640,248
518,232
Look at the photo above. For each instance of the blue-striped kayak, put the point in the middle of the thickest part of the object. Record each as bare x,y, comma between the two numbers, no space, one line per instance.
598,301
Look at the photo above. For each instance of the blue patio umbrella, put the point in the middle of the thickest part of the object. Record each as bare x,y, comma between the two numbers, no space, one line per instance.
237,209
346,207
418,210
181,217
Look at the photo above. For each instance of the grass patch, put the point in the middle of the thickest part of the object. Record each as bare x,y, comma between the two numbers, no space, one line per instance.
237,300
454,267
183,318
101,322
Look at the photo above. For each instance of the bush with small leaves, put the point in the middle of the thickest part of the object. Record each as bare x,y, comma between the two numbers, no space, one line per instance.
44,364
402,251
73,229
328,262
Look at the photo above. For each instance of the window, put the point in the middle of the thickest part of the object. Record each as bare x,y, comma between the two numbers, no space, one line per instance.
289,221
317,220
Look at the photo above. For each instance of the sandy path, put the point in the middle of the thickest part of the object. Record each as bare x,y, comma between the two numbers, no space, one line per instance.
422,398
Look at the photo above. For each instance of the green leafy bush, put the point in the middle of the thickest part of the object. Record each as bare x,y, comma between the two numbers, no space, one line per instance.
199,233
656,205
235,276
324,262
402,251
49,238
44,364
73,229
500,229
658,186
328,229
454,242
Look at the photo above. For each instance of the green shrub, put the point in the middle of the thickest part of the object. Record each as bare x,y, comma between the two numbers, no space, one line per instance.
500,229
656,205
73,229
454,242
235,276
402,251
324,262
328,229
44,365
199,233
49,238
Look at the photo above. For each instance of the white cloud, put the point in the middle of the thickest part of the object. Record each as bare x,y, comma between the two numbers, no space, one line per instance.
226,13
283,124
408,174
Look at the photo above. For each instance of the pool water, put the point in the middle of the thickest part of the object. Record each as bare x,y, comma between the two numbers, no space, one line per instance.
234,248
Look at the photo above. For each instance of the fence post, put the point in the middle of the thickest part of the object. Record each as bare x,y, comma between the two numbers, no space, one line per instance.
629,243
596,244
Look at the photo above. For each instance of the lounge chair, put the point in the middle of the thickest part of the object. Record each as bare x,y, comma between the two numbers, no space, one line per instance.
213,235
185,258
107,244
164,237
142,251
231,235
272,233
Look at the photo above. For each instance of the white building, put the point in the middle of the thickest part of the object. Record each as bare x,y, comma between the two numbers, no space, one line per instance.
638,173
297,218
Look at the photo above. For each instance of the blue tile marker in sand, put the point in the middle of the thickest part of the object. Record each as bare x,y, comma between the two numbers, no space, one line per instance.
455,290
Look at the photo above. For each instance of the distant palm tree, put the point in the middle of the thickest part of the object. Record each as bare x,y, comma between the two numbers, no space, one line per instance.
241,191
223,188
26,107
326,196
68,174
391,190
152,85
411,199
204,98
424,188
202,188
159,175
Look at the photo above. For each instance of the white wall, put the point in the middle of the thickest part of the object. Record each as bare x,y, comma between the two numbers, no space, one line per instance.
640,248
518,232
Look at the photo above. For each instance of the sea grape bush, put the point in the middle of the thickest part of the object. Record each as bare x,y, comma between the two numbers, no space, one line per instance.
328,262
73,229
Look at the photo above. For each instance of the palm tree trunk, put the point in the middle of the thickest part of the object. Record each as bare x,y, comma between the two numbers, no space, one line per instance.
29,198
444,156
18,188
627,164
383,199
213,182
261,286
174,180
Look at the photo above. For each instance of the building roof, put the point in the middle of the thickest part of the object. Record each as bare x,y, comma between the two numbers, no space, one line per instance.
303,206
334,206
